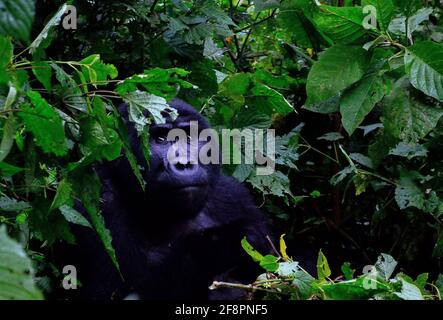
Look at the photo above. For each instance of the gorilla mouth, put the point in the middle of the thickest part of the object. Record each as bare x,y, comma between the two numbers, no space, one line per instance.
189,187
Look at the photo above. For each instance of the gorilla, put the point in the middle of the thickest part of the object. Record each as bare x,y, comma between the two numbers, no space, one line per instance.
176,237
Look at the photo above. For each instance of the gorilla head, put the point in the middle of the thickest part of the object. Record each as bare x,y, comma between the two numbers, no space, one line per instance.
175,174
178,185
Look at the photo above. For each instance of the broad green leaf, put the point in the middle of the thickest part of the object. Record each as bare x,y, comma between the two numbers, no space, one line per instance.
96,72
8,170
45,124
55,20
361,159
7,142
406,118
43,72
16,271
323,270
99,140
269,101
12,205
63,195
424,67
269,263
72,94
359,100
385,266
140,102
341,24
276,184
353,289
164,83
338,68
409,150
295,17
408,194
261,5
237,84
73,216
304,282
10,125
398,24
385,11
409,291
255,255
5,57
287,269
16,17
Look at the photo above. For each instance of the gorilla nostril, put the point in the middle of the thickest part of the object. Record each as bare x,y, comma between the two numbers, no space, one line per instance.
184,166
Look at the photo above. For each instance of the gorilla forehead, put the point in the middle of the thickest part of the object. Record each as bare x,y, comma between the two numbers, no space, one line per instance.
187,113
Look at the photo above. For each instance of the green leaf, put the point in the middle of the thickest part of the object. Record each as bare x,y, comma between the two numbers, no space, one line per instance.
139,102
256,256
359,100
406,118
269,263
424,67
304,282
8,170
87,187
16,17
276,184
73,216
398,24
409,291
347,271
287,269
269,101
164,83
100,141
96,72
385,11
341,24
43,72
323,270
409,150
55,20
16,271
63,195
5,58
353,289
350,62
7,142
261,5
45,124
408,194
385,266
12,205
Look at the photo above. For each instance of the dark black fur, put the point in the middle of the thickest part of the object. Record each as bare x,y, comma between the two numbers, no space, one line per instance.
167,248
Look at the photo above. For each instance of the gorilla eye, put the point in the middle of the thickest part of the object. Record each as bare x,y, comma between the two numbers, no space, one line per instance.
161,139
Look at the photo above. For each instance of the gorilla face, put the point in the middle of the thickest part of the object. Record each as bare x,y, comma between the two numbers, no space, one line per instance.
182,186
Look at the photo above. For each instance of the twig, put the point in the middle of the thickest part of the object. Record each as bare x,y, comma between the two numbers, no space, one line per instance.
257,22
248,287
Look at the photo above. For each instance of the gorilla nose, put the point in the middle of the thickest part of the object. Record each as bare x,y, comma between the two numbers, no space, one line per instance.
186,168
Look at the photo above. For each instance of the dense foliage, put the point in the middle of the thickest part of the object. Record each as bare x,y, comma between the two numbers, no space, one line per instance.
355,98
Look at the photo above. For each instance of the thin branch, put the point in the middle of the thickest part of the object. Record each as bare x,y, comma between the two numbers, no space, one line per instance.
257,22
248,287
